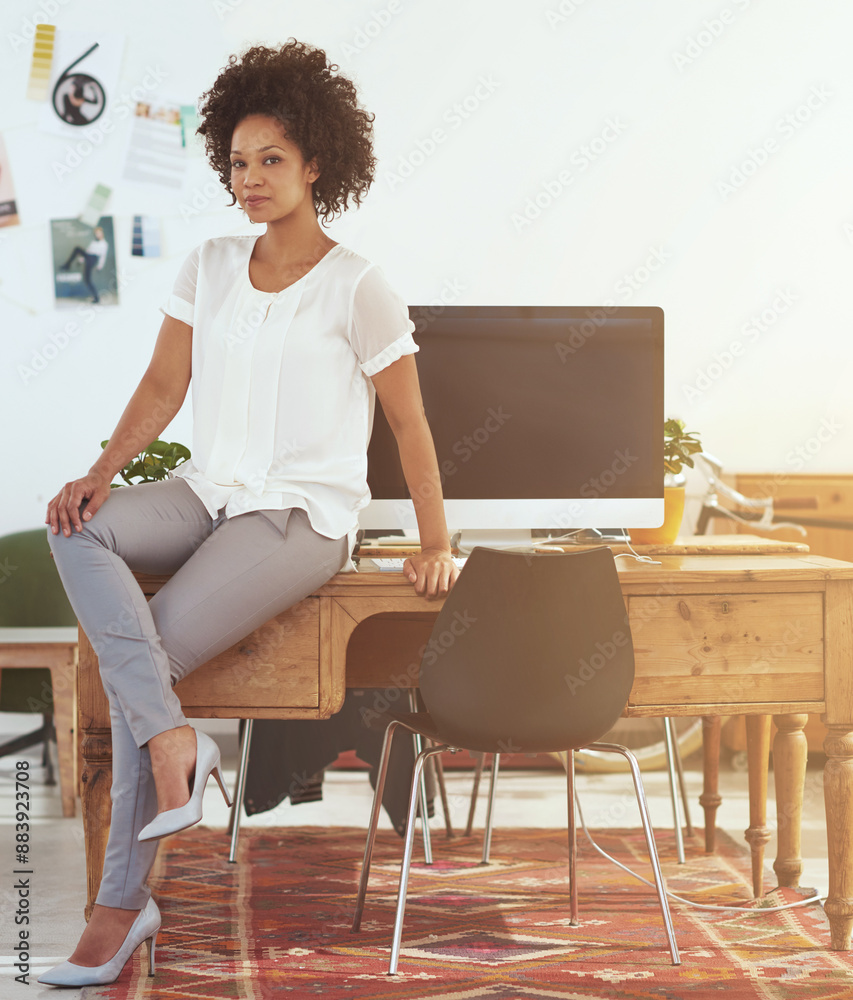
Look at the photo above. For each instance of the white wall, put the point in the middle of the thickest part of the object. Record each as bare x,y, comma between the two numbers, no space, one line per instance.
691,91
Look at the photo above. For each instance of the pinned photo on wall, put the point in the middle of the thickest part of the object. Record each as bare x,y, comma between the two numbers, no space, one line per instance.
193,143
8,205
146,236
38,86
84,77
155,152
84,262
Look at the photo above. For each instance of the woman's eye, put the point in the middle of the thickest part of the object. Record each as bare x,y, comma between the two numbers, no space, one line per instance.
276,158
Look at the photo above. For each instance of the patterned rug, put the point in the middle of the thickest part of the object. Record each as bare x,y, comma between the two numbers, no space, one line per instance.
277,923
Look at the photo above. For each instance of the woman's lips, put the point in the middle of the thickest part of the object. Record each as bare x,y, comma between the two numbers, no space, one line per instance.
256,201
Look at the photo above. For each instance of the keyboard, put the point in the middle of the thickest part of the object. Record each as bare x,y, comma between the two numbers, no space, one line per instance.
387,565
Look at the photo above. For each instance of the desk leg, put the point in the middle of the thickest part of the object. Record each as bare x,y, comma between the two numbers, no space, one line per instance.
837,788
790,751
710,798
97,806
758,754
93,712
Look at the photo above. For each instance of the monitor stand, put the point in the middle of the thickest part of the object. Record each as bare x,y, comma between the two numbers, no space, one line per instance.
492,538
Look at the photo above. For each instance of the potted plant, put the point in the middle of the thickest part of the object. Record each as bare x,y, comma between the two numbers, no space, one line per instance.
679,446
153,464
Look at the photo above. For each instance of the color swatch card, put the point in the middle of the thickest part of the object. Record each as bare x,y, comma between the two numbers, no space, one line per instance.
155,153
8,205
83,82
95,205
42,62
146,236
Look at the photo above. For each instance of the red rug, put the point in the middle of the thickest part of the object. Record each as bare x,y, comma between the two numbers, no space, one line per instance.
278,923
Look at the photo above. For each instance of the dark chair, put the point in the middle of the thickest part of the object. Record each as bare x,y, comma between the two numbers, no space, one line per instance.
530,653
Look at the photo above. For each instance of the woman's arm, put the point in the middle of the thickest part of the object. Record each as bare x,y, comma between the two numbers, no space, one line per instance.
157,399
432,571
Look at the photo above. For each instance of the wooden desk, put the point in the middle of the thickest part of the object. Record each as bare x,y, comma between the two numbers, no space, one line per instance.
55,648
721,635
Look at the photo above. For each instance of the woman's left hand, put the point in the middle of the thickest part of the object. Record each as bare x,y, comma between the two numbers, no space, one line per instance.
432,571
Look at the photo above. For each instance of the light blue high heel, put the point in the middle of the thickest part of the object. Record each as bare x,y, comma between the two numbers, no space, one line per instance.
144,928
175,820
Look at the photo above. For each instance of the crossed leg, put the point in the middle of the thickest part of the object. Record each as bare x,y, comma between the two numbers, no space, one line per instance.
228,576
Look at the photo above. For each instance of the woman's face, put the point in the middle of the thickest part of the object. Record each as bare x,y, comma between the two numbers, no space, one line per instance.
268,175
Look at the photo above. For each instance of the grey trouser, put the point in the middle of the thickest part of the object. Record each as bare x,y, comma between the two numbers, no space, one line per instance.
229,575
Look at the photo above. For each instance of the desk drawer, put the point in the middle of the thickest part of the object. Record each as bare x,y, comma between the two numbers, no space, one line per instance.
722,649
275,667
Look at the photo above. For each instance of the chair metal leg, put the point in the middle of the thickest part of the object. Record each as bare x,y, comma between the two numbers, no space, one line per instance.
442,791
673,793
493,781
679,768
374,822
46,759
650,839
422,757
239,791
573,839
418,745
478,773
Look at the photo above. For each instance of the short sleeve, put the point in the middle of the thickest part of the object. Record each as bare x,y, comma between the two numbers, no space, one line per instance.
181,303
380,329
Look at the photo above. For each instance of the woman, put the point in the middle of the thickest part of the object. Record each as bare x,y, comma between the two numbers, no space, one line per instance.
286,336
95,253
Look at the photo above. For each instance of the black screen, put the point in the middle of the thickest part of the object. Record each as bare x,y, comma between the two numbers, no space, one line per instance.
535,402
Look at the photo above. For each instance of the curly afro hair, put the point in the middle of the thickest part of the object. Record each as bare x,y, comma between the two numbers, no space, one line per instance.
293,83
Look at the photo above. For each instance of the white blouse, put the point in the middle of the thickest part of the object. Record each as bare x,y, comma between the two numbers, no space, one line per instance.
281,394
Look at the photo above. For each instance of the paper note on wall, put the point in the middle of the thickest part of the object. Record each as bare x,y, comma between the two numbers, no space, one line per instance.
83,83
8,205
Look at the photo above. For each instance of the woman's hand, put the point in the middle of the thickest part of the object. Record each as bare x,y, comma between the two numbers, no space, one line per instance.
64,509
432,571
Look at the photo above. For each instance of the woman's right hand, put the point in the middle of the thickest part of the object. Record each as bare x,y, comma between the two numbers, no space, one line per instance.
64,509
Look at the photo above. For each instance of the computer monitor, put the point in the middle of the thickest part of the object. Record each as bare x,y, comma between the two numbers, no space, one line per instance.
547,417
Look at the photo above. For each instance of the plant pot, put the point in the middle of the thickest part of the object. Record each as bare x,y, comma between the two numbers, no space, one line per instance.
673,506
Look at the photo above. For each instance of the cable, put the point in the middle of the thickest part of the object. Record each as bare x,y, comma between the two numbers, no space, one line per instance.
633,554
690,902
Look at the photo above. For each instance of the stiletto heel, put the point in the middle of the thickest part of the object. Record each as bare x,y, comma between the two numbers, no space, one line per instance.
218,775
174,820
144,928
152,941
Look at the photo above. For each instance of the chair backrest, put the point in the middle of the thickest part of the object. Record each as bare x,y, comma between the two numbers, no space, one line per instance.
31,591
530,653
